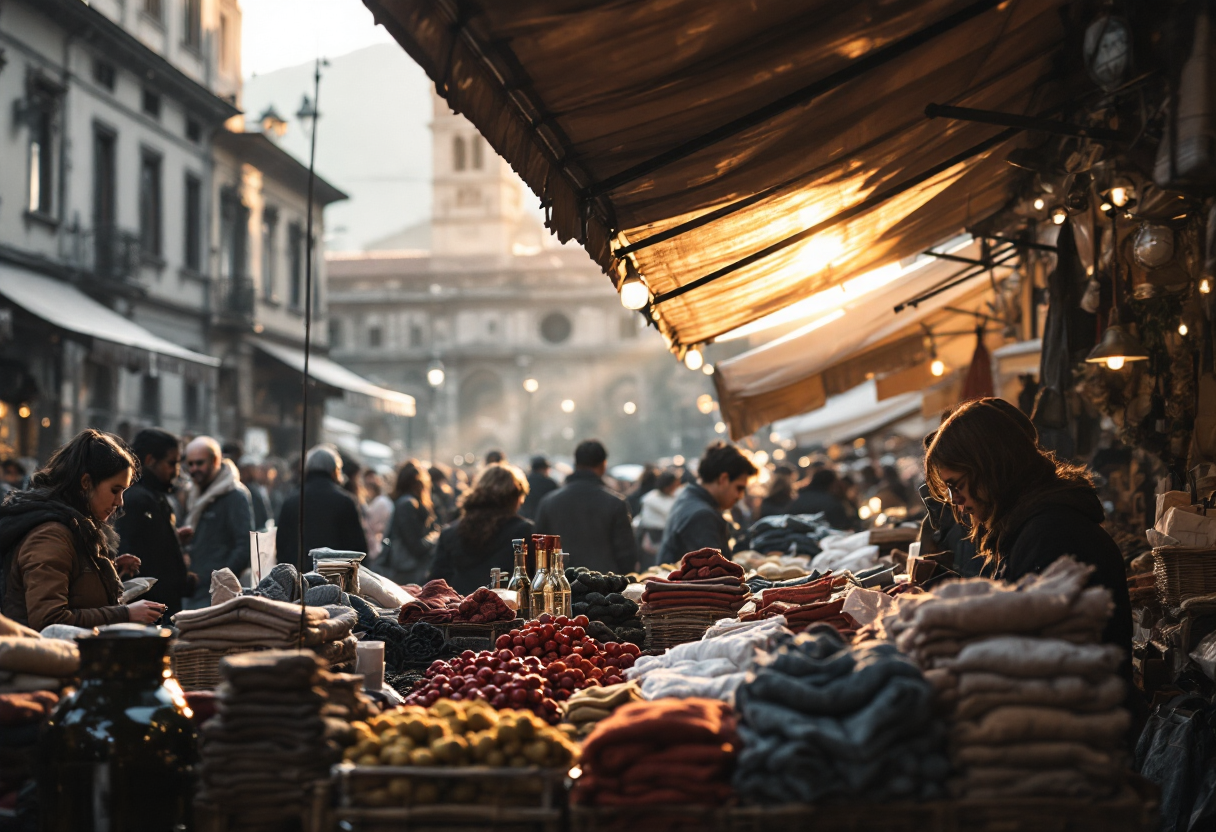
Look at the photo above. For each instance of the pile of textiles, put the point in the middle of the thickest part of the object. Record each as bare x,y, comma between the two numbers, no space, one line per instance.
851,552
788,533
406,645
1034,697
438,603
586,708
20,717
821,720
758,582
597,595
254,621
668,752
712,668
705,588
269,740
802,605
345,699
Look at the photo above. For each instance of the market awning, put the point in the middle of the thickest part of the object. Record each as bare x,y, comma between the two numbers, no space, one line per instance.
115,338
864,339
743,156
353,385
854,413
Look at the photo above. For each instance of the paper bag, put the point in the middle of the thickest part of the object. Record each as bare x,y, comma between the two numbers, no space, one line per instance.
262,556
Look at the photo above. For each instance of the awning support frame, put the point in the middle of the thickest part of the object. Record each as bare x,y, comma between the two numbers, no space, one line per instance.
1041,125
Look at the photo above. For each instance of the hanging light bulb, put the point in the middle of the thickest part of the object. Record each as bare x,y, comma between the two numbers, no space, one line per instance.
1205,286
1116,348
1058,215
1182,329
693,358
1039,203
1115,362
938,367
634,294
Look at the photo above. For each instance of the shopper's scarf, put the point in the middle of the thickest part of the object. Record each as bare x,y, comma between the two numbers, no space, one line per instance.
226,479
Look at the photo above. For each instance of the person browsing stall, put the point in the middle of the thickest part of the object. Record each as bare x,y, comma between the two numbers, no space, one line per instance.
697,518
1024,507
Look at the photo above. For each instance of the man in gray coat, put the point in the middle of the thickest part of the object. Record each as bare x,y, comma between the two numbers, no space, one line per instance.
698,518
219,516
592,519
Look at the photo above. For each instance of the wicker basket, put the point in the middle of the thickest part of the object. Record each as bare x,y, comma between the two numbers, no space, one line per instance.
1183,573
198,668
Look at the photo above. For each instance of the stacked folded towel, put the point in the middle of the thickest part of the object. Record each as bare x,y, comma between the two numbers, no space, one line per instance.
705,588
585,708
269,740
438,603
821,720
802,605
1034,697
254,621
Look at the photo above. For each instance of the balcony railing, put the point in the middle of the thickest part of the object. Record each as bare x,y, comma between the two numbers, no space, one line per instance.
234,298
109,253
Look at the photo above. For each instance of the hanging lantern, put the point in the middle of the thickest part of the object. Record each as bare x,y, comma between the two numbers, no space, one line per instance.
1108,51
1153,246
1116,348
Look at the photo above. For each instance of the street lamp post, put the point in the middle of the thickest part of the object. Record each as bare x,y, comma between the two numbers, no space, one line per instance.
531,385
434,377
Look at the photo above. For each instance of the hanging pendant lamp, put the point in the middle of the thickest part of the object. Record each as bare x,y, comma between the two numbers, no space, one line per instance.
1117,347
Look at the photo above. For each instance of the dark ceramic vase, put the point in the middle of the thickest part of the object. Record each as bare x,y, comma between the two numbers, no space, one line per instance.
118,755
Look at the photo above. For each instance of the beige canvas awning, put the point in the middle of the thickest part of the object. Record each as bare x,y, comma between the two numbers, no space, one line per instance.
354,386
743,156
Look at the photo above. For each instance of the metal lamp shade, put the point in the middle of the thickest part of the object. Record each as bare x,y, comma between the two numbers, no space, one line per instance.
1117,343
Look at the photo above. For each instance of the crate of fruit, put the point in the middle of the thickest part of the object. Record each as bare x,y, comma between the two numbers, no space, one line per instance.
465,636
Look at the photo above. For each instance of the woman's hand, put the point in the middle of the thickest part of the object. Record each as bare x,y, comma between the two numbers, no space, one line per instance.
145,612
127,566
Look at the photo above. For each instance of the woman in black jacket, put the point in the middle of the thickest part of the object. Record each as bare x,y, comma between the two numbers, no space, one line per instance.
481,539
409,547
1025,508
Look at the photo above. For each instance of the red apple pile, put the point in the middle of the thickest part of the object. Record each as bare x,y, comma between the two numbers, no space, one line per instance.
532,668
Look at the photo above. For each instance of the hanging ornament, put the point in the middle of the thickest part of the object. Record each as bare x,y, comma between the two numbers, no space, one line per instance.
1153,246
1108,51
1091,301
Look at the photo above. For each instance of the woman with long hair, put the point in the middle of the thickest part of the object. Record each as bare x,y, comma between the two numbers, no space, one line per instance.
1024,507
58,551
410,544
481,538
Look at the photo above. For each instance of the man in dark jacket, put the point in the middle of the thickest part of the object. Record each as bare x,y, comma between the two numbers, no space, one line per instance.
148,527
592,519
331,517
697,519
540,486
219,516
818,496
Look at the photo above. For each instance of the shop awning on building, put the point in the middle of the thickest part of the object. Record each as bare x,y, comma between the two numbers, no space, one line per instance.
114,338
355,387
744,156
854,413
862,340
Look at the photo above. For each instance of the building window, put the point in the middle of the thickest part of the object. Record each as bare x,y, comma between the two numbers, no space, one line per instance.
191,404
151,104
42,153
105,235
103,73
193,254
149,399
478,152
194,132
555,328
192,23
415,335
225,48
234,235
153,9
295,265
458,152
270,259
335,333
375,337
149,203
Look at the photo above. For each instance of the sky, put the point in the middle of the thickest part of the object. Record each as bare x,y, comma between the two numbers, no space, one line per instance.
282,33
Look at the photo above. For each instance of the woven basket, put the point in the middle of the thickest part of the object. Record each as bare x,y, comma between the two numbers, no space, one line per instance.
198,668
1183,573
664,630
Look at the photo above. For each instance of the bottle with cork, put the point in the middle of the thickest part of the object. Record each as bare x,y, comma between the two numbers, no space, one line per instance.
541,600
557,577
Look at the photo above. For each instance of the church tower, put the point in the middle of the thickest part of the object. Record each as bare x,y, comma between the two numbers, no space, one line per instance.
476,197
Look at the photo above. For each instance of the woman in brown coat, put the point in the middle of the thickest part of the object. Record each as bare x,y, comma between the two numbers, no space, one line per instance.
57,548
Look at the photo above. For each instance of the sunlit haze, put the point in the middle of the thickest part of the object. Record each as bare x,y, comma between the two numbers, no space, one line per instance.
281,33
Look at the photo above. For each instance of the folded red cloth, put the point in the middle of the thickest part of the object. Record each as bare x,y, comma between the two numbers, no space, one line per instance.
692,600
433,597
726,586
814,612
805,594
705,563
483,607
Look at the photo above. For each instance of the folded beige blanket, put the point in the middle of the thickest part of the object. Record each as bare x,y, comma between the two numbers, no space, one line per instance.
240,608
1037,657
1039,755
1018,723
982,692
990,782
39,656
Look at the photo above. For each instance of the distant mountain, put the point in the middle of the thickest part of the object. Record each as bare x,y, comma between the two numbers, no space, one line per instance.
373,140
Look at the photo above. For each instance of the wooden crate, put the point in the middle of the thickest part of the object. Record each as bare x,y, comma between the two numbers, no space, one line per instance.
649,819
509,799
477,637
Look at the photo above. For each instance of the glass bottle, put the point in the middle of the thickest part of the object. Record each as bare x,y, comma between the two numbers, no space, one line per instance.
556,578
119,752
542,587
520,582
567,595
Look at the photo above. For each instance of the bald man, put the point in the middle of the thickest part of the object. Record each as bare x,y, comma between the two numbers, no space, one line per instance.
220,512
